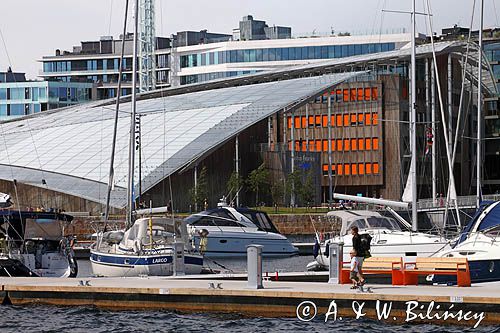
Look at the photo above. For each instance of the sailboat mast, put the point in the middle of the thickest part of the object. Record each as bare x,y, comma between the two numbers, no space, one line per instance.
131,145
479,107
413,124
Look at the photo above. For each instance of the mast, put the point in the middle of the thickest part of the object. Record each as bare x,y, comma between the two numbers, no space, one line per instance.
117,110
413,125
131,143
479,107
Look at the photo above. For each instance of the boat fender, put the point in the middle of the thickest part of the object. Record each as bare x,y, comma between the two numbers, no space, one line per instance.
137,246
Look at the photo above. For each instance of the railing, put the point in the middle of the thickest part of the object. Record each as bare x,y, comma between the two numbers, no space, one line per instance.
462,202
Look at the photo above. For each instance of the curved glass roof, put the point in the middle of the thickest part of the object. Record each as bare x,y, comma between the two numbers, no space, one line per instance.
69,149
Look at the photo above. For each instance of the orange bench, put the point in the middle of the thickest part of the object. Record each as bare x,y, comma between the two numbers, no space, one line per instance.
377,265
439,266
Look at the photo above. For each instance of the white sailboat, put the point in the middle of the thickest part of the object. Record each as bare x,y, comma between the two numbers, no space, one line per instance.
148,246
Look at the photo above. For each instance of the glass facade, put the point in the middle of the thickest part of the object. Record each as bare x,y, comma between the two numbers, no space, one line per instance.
188,79
283,54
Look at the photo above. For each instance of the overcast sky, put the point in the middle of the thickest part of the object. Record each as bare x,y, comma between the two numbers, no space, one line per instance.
34,28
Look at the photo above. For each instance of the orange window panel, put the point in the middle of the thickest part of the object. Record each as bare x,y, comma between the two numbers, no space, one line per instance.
368,94
304,122
347,169
374,93
332,120
318,145
339,120
361,95
340,169
361,168
297,122
304,145
375,118
289,145
375,143
346,120
354,169
325,167
333,168
333,145
368,168
361,144
311,121
325,121
368,144
347,145
297,146
289,120
318,120
375,168
339,92
368,119
346,95
361,119
339,145
325,145
353,95
354,144
354,120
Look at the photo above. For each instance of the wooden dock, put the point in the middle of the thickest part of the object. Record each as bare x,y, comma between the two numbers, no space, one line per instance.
477,305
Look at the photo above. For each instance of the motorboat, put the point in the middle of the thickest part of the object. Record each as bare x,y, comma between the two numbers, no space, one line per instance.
388,238
229,230
480,244
33,244
149,247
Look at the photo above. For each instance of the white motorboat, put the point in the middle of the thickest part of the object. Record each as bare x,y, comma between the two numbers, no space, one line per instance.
33,244
480,244
388,239
147,248
231,230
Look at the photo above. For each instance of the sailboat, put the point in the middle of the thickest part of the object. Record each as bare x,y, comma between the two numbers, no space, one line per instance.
148,245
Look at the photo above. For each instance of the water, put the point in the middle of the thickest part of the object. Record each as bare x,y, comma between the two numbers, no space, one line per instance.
236,265
79,319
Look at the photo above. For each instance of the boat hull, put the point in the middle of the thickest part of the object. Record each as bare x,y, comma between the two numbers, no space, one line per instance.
118,265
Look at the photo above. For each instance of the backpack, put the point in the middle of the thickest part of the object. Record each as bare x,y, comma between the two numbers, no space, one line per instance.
365,240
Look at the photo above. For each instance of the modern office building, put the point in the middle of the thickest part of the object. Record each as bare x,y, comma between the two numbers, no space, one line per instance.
98,62
19,97
250,29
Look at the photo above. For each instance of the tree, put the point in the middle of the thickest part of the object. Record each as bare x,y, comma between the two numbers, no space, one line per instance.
293,184
278,192
306,192
234,184
199,193
257,180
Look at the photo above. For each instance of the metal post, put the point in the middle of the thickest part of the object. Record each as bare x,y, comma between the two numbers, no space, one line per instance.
330,177
433,126
450,107
139,150
237,168
254,266
178,259
269,132
336,257
196,188
413,124
292,156
479,108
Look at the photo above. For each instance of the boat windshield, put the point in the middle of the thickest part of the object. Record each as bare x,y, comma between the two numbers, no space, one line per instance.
261,220
213,221
383,223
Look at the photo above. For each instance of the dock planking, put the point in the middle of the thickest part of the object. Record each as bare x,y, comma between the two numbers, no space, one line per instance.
277,299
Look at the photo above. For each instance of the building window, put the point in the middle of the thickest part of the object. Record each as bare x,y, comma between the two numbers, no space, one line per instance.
346,120
354,169
368,119
368,94
3,94
297,122
289,121
361,144
304,122
375,143
3,109
17,110
375,168
347,169
347,146
353,119
325,121
374,93
346,95
354,144
368,168
375,118
368,144
325,145
340,169
353,95
339,145
361,168
360,94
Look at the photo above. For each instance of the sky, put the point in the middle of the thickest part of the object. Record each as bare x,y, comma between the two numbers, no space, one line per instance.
31,29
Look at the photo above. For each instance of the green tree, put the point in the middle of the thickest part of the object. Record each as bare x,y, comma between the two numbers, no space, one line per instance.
306,192
278,192
234,184
199,193
257,180
293,184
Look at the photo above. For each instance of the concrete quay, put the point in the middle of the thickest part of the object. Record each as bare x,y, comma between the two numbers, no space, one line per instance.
477,305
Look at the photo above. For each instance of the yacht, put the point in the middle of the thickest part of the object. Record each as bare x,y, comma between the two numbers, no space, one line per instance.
388,239
33,244
230,230
480,244
146,248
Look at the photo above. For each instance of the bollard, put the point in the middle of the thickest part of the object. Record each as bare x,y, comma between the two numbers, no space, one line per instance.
254,266
336,251
178,259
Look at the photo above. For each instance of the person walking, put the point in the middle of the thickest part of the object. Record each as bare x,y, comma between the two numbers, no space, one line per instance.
354,273
356,245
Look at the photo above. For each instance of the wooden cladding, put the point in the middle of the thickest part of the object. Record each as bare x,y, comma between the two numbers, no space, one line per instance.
337,120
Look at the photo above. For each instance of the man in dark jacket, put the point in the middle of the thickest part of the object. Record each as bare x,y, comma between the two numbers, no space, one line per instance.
356,245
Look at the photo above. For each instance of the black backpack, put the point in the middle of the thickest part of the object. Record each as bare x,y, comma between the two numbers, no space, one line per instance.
365,240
